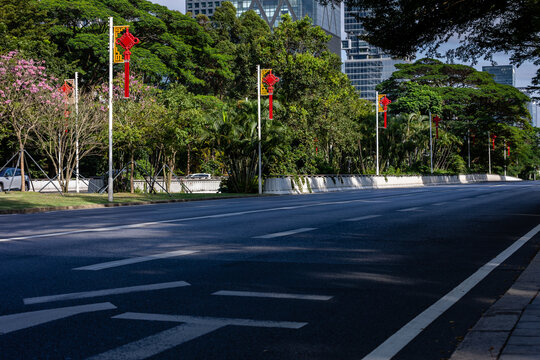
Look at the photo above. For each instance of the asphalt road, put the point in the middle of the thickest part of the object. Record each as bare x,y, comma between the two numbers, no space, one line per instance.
374,274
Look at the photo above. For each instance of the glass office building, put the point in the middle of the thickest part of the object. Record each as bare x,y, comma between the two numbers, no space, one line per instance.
365,65
502,74
327,17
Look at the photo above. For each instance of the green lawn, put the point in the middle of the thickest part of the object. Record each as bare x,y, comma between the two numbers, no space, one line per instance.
15,200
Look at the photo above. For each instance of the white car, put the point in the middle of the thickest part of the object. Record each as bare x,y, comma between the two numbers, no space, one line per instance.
199,176
7,179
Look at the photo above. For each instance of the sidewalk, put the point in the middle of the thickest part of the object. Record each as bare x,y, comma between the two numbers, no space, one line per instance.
510,328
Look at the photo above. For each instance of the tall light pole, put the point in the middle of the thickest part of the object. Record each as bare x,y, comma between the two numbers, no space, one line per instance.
77,132
259,124
111,59
489,152
377,131
430,144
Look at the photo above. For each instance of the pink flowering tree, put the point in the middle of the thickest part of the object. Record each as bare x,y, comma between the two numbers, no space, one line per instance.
25,90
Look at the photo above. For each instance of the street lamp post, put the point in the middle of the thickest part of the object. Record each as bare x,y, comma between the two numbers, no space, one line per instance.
111,59
77,132
430,144
377,131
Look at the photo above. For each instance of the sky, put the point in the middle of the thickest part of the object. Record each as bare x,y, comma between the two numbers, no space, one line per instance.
524,73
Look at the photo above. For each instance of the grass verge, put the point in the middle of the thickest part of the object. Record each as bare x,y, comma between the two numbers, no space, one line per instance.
16,200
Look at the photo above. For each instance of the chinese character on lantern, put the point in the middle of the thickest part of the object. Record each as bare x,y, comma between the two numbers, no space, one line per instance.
384,101
436,120
127,41
270,80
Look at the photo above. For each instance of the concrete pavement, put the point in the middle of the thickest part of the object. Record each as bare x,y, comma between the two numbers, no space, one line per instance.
510,329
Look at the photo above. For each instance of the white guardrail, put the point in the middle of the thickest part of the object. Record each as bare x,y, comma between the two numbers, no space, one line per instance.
94,185
326,183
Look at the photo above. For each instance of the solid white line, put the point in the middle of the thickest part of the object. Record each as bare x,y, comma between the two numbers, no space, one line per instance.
362,218
116,263
406,334
89,294
210,320
410,209
155,344
14,322
284,233
273,295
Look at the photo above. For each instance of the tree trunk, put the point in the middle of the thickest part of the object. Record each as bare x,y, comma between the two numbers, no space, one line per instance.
132,190
23,182
188,159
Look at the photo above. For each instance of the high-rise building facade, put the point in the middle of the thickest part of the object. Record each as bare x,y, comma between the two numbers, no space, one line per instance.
327,17
503,74
365,65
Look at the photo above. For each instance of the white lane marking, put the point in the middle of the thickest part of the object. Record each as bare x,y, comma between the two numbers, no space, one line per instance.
284,233
116,263
362,218
14,322
410,209
465,199
155,344
440,203
273,295
374,201
150,223
210,320
407,333
192,329
95,293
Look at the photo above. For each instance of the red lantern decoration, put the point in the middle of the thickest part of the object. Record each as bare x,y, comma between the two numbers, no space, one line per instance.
66,89
270,80
127,41
493,137
385,102
436,120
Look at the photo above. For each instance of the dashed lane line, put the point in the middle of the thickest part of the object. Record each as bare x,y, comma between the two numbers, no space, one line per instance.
284,233
360,218
411,209
96,293
273,295
116,263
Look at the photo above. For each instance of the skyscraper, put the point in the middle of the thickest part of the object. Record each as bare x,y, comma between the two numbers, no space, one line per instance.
327,17
365,65
503,74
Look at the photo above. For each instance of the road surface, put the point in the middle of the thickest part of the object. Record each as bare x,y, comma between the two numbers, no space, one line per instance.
370,274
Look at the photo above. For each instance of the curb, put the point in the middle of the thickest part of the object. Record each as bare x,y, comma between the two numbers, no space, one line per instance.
487,339
107,205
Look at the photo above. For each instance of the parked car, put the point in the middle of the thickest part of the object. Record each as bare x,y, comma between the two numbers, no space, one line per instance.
7,178
199,176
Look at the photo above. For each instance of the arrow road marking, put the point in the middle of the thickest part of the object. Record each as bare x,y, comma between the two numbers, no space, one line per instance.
14,322
89,294
116,263
193,328
284,233
273,295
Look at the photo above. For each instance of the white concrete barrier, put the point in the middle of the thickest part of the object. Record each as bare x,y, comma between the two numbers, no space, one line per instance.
326,183
209,186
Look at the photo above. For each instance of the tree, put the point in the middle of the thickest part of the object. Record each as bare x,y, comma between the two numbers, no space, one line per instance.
58,132
235,134
469,102
26,89
402,27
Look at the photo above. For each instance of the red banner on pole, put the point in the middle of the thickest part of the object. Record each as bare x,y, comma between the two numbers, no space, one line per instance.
270,80
385,102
